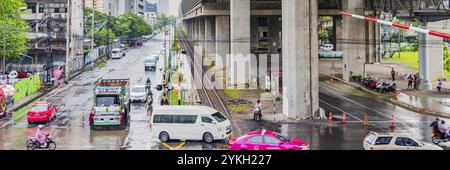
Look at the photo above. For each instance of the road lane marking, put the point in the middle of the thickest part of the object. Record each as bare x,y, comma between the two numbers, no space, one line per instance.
342,111
363,106
179,146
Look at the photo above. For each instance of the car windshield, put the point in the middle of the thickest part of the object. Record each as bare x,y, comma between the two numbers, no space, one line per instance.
107,100
281,137
114,52
38,108
219,117
138,89
149,61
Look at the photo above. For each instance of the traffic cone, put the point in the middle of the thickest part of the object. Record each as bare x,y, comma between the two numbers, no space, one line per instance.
392,126
330,119
344,119
366,120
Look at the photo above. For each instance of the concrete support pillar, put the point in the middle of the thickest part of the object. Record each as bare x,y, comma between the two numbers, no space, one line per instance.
196,30
353,40
431,51
339,34
210,36
222,40
300,61
201,33
240,41
436,52
373,41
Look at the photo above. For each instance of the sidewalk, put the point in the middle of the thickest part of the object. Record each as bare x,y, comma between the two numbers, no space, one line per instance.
25,101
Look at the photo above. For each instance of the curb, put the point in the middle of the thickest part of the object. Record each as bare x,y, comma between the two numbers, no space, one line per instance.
397,103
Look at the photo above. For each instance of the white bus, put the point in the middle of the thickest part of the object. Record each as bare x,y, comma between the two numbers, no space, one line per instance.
189,123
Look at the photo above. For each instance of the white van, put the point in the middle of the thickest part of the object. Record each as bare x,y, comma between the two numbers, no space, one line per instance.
117,53
189,123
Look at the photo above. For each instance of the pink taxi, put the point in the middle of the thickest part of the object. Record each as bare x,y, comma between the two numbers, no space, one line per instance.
41,112
266,140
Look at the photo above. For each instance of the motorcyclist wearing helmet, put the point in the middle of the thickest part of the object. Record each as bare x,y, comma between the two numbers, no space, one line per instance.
444,129
258,109
40,136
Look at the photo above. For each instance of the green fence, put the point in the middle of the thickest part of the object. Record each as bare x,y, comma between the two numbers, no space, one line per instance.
27,87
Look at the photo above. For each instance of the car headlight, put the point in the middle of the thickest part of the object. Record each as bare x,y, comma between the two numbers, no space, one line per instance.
304,147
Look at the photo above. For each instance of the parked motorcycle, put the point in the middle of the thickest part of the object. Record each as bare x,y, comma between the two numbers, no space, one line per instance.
33,144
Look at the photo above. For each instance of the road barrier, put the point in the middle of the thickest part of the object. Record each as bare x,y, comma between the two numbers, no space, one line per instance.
344,119
392,126
330,118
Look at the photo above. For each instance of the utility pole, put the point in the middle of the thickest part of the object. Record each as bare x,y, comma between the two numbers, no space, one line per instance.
107,34
68,39
93,27
49,43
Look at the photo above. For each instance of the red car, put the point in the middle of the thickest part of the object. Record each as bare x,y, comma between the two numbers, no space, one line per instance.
41,112
266,140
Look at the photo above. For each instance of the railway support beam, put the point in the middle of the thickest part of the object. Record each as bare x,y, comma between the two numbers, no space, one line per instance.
209,35
300,59
353,40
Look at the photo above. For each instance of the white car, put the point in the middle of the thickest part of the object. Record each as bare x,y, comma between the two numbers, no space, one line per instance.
375,141
138,94
117,53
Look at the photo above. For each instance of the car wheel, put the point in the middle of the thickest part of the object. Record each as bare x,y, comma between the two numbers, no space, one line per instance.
208,137
164,137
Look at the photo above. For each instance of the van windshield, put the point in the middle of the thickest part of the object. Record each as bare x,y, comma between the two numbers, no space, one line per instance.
219,117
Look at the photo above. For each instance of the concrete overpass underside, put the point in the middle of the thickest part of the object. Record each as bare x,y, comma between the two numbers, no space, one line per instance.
282,34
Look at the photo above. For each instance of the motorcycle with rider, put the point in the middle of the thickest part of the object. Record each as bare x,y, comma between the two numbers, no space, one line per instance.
41,140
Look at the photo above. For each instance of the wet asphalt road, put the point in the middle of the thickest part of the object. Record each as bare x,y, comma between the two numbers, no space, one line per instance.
71,131
338,136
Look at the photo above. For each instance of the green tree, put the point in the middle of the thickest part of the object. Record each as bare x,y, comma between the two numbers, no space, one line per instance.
12,29
446,59
100,31
136,25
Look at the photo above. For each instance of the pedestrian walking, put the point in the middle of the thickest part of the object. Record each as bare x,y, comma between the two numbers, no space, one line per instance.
440,85
410,81
416,81
393,74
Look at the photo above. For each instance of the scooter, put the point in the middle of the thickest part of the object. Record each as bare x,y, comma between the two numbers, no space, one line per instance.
438,138
33,144
257,115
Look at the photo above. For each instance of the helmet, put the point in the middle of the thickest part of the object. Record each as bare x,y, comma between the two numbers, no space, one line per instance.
41,126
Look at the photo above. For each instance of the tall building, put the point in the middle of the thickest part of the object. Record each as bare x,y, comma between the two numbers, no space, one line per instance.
151,13
163,7
99,5
62,20
120,7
